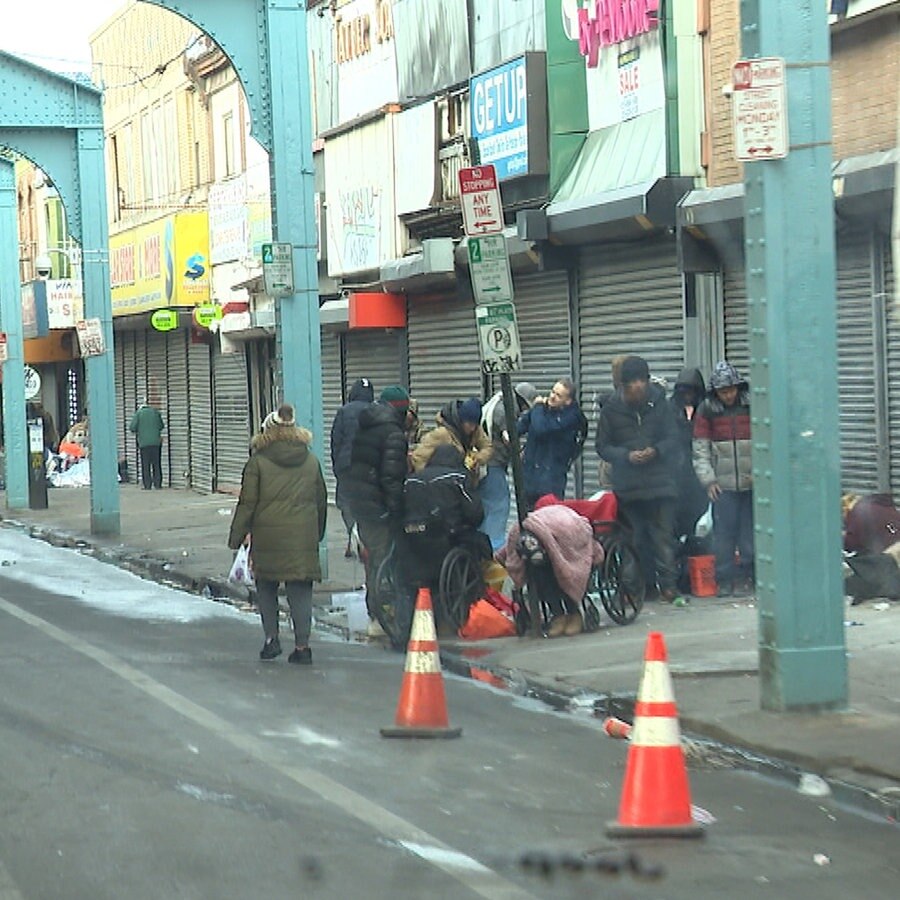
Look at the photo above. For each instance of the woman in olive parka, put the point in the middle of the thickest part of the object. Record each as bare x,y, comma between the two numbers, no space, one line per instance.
281,513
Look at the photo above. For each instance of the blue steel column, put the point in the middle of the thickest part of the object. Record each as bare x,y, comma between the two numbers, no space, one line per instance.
101,386
293,216
11,323
790,259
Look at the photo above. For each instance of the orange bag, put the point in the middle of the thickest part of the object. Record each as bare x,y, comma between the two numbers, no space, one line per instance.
485,621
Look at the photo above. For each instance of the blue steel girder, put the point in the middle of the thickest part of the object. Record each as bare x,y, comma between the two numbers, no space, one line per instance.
41,114
239,28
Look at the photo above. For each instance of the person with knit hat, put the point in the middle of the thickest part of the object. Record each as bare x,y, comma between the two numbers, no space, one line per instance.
722,461
281,514
343,430
636,435
374,481
459,424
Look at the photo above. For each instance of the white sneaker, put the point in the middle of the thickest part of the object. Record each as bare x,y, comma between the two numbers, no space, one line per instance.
375,630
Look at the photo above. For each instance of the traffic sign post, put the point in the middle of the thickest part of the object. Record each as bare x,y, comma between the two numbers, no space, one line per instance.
498,336
278,269
479,195
489,269
759,109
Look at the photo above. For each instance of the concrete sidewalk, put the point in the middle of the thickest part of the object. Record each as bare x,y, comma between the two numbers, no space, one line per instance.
179,537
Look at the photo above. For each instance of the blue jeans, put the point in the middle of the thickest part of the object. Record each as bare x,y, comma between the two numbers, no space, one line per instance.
733,530
494,492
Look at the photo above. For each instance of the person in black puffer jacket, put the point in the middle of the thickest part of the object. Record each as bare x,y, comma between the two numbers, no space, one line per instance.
343,430
636,436
689,392
374,481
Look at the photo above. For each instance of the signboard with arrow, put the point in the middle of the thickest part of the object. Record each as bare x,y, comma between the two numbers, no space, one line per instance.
480,198
759,109
489,267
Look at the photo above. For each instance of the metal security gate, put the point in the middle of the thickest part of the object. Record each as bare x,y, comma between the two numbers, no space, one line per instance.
377,355
444,363
201,417
856,363
737,332
178,423
629,302
545,333
232,417
332,398
888,303
129,402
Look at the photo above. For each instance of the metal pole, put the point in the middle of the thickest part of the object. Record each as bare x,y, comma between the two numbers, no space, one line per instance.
792,316
14,427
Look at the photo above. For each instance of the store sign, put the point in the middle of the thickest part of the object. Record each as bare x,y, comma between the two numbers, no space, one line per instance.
596,24
508,113
32,383
205,315
164,320
228,221
365,54
35,321
65,303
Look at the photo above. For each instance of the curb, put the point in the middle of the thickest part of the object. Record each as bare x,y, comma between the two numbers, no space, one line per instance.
703,742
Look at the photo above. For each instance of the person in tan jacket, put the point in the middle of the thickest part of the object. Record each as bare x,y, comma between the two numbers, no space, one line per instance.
459,424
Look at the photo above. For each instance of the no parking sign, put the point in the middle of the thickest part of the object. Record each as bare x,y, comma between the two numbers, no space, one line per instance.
498,338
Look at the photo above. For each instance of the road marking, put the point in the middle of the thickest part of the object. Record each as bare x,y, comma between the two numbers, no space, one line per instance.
474,875
8,889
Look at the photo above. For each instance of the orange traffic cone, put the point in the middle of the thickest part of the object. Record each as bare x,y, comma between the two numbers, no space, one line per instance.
422,708
656,799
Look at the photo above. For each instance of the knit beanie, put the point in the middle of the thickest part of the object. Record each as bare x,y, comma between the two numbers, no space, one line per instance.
396,396
283,416
634,368
527,391
470,411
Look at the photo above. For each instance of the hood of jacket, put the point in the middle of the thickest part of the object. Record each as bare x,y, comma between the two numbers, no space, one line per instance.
286,446
691,378
449,418
379,413
361,390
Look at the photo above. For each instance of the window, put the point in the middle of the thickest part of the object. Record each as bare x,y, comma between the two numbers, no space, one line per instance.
228,129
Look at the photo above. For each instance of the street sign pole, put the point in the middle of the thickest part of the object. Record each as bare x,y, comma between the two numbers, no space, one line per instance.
789,228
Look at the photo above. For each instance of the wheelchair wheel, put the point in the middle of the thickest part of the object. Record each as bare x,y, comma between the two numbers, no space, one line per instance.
460,585
394,605
621,587
590,605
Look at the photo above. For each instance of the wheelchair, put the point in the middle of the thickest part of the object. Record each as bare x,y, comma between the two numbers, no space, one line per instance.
616,585
456,583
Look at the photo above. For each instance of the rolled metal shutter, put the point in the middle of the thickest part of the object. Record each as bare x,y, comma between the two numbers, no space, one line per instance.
893,360
332,398
178,428
201,418
856,352
444,362
130,401
232,417
630,300
158,389
140,366
377,355
737,332
545,332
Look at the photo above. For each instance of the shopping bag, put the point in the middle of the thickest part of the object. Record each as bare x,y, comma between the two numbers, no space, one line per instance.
241,569
486,621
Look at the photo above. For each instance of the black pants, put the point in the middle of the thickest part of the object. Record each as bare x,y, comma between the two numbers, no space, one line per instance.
151,466
653,529
377,536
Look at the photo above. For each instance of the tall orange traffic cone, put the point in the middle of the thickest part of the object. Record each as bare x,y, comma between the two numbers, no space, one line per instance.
422,708
656,799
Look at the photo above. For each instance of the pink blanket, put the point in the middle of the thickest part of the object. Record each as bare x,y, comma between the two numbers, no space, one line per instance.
569,542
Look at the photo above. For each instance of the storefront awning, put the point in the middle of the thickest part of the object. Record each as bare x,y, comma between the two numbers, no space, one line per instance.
430,269
592,204
711,220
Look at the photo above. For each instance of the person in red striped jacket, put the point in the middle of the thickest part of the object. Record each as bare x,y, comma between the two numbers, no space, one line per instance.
722,461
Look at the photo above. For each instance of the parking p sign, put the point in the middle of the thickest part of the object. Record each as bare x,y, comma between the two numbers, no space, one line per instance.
498,336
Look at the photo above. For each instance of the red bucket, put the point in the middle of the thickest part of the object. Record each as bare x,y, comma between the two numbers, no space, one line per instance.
702,571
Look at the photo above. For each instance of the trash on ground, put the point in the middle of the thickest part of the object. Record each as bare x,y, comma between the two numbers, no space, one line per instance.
820,859
813,786
881,607
702,816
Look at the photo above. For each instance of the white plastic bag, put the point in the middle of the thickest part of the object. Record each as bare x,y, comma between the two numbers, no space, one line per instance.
704,523
241,569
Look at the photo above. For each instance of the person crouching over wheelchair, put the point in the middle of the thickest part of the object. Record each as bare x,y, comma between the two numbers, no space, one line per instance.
441,511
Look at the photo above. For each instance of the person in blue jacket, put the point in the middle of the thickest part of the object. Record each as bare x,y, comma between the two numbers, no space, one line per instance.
556,430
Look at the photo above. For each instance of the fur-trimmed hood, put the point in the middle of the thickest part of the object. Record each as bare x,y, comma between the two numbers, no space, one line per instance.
285,445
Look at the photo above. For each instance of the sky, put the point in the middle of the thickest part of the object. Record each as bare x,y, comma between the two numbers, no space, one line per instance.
54,33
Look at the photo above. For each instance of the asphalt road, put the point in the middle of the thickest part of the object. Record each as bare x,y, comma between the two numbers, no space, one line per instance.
145,752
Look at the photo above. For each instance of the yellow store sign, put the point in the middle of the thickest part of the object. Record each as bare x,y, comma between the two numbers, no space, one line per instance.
164,263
